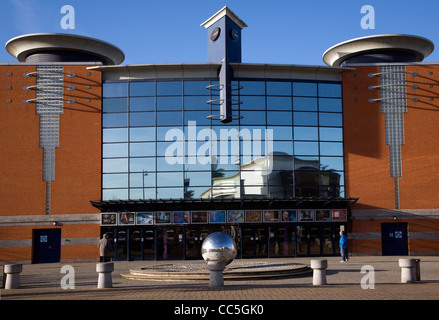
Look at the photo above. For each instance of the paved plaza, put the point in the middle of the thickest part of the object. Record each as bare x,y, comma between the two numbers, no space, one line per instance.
43,282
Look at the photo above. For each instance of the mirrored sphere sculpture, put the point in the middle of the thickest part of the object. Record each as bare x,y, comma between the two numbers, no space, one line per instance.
219,246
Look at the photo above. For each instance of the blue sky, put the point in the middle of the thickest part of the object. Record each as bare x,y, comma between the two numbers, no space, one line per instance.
168,31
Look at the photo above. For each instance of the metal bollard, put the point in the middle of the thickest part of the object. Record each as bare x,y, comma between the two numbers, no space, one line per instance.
407,270
418,269
12,272
319,271
104,269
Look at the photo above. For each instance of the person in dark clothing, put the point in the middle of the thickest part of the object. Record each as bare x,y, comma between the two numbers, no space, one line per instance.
105,249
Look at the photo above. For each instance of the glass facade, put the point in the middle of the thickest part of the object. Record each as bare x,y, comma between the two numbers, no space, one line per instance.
158,142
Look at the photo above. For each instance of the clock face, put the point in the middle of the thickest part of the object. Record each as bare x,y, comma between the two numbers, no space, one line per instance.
234,34
215,34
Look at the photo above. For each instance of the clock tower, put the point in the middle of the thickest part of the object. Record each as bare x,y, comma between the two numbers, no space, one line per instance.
224,46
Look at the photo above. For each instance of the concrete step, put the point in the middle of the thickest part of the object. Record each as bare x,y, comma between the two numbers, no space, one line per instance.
232,273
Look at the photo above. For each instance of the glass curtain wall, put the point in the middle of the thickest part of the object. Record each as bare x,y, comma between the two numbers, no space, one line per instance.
159,143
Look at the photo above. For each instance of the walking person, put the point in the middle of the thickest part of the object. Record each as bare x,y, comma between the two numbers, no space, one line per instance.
343,247
105,249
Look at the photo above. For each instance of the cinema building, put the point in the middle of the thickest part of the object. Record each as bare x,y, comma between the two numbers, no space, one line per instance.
158,156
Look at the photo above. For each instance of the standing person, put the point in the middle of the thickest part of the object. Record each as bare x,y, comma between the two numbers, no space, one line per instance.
105,249
343,247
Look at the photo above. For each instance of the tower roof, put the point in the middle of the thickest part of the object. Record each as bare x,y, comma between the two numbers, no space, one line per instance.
225,11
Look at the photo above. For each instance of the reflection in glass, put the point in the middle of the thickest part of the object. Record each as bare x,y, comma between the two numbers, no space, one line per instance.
114,194
142,134
169,164
196,103
279,103
169,103
118,89
142,119
280,118
331,148
304,104
306,153
330,90
305,118
114,120
306,133
169,179
145,149
253,117
252,102
306,148
143,193
171,118
170,193
142,179
304,89
169,88
331,163
115,180
330,119
142,88
142,164
115,165
114,105
252,87
330,105
115,135
285,147
142,104
331,134
198,116
196,87
198,178
278,88
280,133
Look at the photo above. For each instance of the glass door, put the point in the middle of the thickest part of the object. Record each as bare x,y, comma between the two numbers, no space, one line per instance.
248,242
121,244
169,243
327,240
302,237
148,244
254,242
135,244
192,243
282,241
261,242
314,241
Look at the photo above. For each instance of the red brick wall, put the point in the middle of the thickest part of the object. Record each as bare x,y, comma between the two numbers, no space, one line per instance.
77,162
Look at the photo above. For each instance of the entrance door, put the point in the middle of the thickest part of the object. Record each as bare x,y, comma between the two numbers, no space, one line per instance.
254,242
121,244
169,243
195,236
282,241
46,245
135,244
148,244
394,239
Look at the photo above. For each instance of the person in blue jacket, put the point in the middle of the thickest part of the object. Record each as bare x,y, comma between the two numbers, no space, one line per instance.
343,247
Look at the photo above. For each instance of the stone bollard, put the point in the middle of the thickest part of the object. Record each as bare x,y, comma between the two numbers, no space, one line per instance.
319,271
12,272
216,268
407,270
104,269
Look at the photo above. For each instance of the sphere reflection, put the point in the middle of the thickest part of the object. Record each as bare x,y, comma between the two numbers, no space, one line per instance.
219,246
